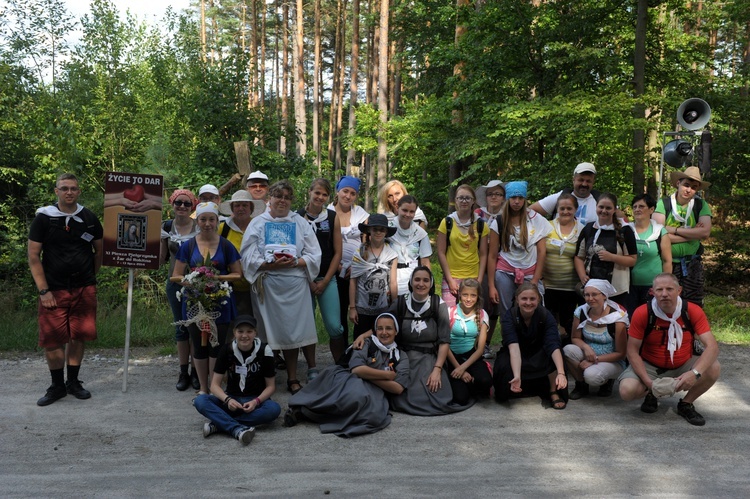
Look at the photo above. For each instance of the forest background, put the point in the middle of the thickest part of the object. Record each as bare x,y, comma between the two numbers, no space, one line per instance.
434,93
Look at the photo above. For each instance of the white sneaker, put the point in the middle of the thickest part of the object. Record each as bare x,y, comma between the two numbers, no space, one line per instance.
246,436
488,353
209,429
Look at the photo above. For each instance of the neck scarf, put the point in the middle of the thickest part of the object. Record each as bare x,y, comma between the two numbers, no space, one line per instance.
570,238
674,334
410,300
463,225
391,350
362,268
461,319
232,225
54,211
688,210
314,221
616,315
600,228
246,362
655,232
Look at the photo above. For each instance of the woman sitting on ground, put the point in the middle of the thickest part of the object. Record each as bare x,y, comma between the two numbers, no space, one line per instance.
424,334
530,362
349,401
596,356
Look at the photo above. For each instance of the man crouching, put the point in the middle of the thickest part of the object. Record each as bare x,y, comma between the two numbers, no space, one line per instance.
664,355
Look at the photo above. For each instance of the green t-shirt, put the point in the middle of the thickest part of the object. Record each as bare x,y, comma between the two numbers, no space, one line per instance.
688,248
648,265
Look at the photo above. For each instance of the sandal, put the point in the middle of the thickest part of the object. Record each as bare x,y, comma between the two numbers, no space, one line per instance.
290,383
292,416
558,403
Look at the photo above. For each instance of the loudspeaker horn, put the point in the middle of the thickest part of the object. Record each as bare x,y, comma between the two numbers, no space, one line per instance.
678,153
693,114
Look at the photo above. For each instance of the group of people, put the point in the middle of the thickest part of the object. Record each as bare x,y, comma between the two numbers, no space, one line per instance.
576,295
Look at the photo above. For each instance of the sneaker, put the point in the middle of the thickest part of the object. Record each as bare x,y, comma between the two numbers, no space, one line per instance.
54,393
650,404
687,411
488,353
194,381
246,436
183,382
606,389
312,373
581,390
209,429
74,388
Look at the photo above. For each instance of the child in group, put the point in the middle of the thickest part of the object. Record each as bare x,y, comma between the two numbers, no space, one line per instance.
411,243
470,376
251,380
374,282
351,400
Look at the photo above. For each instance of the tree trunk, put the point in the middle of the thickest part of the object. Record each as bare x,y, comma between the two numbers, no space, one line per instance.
383,93
351,153
639,110
284,77
316,90
203,31
299,80
262,69
338,68
254,54
457,115
340,89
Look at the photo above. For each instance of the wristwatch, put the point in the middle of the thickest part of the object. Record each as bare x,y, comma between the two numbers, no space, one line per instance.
697,374
43,292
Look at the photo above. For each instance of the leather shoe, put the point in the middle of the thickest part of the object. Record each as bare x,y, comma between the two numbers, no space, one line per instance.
183,383
194,379
54,393
74,388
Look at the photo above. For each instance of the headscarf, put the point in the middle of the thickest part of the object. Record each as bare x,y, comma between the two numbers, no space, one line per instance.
348,181
516,188
207,208
184,192
617,314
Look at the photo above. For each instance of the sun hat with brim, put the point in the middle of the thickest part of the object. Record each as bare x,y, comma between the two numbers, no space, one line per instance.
377,220
258,205
482,191
691,172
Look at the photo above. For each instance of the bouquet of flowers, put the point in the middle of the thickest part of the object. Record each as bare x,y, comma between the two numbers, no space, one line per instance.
204,292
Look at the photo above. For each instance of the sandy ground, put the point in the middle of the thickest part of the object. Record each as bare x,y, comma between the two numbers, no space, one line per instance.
147,442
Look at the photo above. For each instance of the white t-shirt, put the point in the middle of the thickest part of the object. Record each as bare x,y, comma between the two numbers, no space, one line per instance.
585,213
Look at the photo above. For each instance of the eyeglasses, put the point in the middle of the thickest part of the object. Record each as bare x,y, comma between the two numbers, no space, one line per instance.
464,199
178,203
285,198
68,189
495,195
257,186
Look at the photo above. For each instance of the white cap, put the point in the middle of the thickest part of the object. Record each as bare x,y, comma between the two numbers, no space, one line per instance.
209,188
585,168
257,175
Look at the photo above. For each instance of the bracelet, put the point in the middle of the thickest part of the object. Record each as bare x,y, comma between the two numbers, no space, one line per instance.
439,367
352,306
257,402
561,374
227,399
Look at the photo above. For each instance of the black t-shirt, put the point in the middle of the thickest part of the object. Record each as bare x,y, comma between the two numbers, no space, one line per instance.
67,251
258,370
324,234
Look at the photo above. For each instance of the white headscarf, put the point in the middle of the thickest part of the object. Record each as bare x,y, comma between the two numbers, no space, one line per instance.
617,314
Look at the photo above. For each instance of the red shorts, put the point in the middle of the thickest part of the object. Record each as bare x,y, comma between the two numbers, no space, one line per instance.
74,318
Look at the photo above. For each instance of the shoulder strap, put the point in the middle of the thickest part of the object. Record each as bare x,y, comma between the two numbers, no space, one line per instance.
480,229
612,329
167,225
697,207
595,194
191,249
667,202
225,228
448,228
400,307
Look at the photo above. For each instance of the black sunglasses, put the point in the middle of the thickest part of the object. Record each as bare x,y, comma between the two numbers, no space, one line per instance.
182,203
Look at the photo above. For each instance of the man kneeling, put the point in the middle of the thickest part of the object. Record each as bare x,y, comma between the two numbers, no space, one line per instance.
665,339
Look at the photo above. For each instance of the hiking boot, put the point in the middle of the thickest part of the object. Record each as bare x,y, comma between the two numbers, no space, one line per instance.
687,411
54,393
183,382
581,390
73,386
246,436
488,353
194,381
606,389
209,429
650,404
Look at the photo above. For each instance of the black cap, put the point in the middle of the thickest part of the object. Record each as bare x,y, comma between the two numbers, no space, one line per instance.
244,319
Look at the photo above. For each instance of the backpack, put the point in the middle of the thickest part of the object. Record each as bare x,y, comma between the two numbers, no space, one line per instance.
449,227
225,228
569,190
651,324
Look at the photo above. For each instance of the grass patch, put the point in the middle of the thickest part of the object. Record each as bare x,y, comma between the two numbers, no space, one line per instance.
729,319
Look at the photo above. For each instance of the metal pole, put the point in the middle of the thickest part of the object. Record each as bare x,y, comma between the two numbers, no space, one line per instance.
127,331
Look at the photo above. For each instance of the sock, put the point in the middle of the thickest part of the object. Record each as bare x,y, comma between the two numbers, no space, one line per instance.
73,372
58,377
184,368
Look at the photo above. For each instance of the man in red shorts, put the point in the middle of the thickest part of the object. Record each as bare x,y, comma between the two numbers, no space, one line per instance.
65,253
663,356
